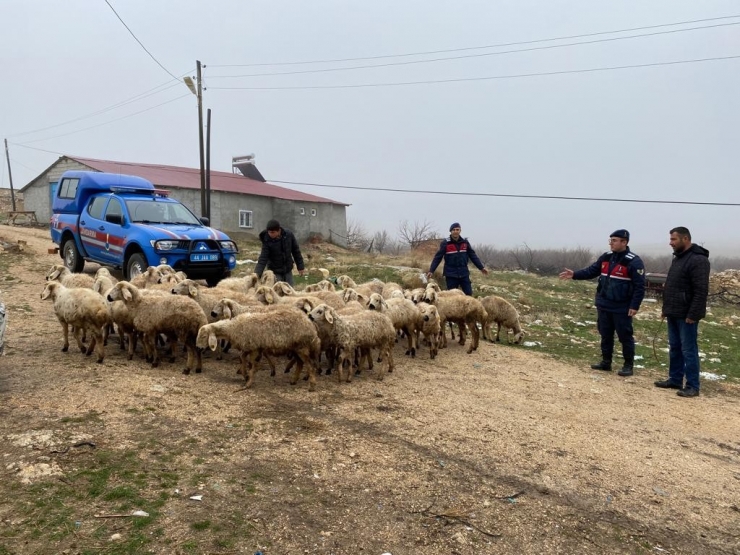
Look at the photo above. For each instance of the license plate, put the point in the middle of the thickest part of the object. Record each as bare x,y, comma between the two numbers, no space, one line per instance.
203,257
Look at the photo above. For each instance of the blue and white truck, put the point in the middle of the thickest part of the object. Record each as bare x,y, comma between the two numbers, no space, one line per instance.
122,221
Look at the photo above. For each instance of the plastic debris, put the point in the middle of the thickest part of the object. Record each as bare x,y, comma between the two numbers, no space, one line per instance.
139,513
196,497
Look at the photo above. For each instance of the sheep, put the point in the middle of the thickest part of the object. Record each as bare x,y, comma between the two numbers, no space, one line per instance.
365,330
205,297
415,295
82,308
105,272
366,289
278,332
102,284
350,295
434,286
323,285
268,278
242,284
461,309
429,324
389,288
331,298
502,312
403,314
147,278
62,274
173,315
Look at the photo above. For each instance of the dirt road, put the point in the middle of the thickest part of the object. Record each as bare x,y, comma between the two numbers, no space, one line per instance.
500,451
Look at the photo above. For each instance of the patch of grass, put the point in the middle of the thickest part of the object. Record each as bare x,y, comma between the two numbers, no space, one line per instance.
88,417
201,525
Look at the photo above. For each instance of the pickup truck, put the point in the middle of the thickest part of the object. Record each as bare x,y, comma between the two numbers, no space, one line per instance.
122,221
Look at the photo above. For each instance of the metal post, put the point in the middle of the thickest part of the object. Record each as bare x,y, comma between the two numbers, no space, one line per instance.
208,163
10,175
203,207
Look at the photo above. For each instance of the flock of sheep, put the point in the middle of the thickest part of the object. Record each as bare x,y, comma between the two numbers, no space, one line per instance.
351,326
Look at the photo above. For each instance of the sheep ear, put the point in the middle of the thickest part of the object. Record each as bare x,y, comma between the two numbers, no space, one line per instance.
192,290
329,316
54,275
126,293
227,312
383,303
269,297
212,341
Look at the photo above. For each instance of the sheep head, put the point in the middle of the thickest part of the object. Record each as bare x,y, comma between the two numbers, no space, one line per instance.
322,312
56,271
51,290
283,289
377,302
206,338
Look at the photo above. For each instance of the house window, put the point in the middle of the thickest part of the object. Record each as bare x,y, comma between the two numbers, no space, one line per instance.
313,211
68,188
302,211
245,218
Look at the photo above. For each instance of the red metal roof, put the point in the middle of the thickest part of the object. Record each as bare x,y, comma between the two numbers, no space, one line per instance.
189,178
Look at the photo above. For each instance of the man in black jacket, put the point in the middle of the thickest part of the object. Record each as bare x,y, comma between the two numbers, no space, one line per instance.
279,250
457,252
684,304
619,294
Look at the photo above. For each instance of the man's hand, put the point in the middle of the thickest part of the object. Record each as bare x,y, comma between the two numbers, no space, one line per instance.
690,321
485,271
566,274
429,275
631,312
302,272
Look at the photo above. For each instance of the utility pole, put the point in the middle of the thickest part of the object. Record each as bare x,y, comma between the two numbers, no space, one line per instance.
208,164
10,175
203,206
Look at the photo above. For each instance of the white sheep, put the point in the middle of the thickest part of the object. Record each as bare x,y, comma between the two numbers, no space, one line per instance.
460,309
363,330
176,316
403,314
331,298
243,284
323,285
62,274
429,325
84,309
205,297
281,331
502,312
366,289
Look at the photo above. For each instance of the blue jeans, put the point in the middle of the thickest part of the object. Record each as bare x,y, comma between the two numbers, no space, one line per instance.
461,282
621,323
683,355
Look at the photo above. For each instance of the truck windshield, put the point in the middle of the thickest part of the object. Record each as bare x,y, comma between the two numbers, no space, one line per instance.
154,212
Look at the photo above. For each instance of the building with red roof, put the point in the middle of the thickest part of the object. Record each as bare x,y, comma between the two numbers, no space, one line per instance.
239,202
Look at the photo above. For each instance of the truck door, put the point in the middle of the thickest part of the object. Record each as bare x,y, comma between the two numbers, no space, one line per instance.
92,231
112,227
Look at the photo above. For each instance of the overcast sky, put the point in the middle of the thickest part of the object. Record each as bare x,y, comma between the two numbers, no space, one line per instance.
665,132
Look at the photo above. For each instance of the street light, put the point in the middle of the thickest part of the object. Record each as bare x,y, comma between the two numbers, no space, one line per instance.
195,88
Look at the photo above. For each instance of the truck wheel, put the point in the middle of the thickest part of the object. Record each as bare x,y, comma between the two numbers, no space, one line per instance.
72,259
136,266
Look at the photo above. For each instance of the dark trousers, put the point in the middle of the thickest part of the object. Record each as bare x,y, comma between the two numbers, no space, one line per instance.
461,282
611,322
287,278
683,354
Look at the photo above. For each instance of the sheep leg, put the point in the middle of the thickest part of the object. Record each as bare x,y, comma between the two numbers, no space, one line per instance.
249,375
65,333
391,365
411,336
299,357
462,332
150,344
77,335
452,332
498,332
290,365
243,364
475,332
442,335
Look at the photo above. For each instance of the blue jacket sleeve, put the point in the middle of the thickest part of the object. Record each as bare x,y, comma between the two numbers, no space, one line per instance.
594,270
637,274
438,257
474,257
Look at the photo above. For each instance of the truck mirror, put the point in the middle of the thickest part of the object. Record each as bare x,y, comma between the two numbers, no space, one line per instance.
114,218
204,220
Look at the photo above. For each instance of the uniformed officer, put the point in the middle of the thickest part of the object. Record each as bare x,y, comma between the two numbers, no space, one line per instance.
619,293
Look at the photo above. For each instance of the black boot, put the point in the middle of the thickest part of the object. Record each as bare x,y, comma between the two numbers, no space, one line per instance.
626,369
605,365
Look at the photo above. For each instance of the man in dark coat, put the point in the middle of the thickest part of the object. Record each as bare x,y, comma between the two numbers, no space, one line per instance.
619,294
684,304
457,252
279,250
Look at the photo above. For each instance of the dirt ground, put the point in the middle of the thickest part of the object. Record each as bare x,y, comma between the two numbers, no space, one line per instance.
500,451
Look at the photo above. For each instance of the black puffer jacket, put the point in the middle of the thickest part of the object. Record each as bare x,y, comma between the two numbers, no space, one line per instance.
687,285
278,254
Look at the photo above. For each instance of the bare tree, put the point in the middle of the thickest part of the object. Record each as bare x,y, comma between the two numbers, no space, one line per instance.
380,241
357,236
524,257
417,233
487,254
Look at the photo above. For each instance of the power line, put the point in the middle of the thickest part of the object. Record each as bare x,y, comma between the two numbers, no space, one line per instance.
502,195
488,78
139,96
137,40
468,56
106,122
500,45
